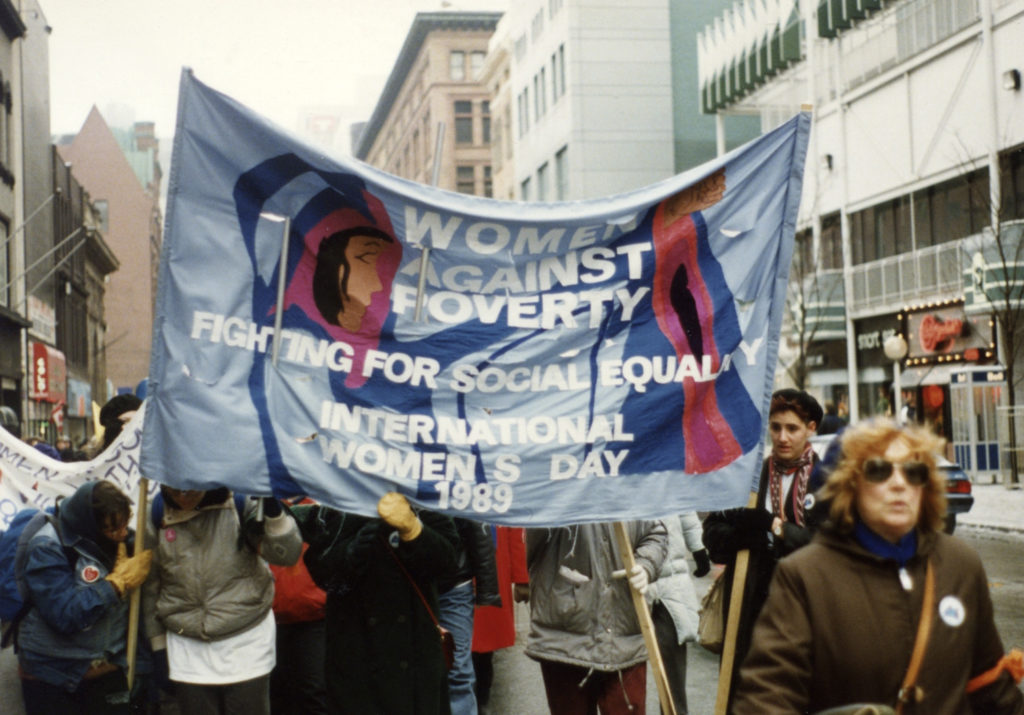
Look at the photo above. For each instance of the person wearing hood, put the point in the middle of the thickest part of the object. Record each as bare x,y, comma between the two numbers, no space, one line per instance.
72,640
207,602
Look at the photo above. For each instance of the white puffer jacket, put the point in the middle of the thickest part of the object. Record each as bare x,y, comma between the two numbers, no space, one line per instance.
674,588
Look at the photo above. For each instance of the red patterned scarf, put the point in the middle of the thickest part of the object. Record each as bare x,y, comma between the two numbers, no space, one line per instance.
802,467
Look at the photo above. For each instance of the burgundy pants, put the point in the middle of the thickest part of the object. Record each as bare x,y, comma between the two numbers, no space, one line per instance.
571,691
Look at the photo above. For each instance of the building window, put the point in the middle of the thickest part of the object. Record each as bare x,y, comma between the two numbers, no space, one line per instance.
464,180
554,78
537,26
103,210
524,192
561,69
427,139
508,130
485,121
488,182
524,111
457,66
543,94
499,139
476,64
463,122
1012,183
538,98
520,48
562,173
803,253
542,182
831,242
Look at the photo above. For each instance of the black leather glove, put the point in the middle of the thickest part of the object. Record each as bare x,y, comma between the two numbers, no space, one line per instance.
703,562
751,539
360,548
755,519
271,507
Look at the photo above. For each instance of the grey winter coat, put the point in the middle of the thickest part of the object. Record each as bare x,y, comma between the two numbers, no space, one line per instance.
674,588
207,583
579,614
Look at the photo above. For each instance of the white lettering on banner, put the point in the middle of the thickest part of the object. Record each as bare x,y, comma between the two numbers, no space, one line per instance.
481,498
567,466
377,460
544,310
400,368
32,479
488,237
423,429
297,347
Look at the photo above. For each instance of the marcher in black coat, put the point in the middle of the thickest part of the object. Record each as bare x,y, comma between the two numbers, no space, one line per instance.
383,649
776,526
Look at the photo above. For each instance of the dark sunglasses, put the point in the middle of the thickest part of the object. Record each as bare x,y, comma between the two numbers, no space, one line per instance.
879,470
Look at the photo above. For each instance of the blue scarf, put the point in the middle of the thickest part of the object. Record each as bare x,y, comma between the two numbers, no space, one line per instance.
900,552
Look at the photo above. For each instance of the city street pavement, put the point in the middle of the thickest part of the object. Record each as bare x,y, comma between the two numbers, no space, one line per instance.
995,508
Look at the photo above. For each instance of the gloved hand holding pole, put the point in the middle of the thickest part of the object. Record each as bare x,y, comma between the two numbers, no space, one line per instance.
394,509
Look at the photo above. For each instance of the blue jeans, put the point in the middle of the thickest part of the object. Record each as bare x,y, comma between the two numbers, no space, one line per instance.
457,616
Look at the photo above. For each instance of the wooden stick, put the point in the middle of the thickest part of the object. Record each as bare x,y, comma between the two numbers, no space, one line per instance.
732,623
133,606
646,624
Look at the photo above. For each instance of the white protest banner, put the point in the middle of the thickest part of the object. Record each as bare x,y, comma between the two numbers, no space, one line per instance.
28,478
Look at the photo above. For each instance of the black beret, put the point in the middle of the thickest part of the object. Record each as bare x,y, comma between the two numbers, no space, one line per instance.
806,406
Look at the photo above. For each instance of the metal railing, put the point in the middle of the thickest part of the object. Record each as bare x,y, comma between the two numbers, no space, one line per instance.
893,37
891,283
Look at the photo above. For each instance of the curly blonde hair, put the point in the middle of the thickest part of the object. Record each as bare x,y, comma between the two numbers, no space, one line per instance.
871,439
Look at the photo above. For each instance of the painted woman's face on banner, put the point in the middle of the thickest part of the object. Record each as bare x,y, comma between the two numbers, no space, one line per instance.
358,280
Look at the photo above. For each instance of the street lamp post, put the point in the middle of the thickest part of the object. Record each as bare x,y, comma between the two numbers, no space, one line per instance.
895,348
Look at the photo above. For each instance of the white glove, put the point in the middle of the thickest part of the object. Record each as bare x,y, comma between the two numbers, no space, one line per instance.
638,578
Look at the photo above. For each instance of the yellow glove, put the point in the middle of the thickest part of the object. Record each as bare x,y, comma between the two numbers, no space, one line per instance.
395,510
129,571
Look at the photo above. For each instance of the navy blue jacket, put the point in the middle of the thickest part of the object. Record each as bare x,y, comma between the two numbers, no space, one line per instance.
76,615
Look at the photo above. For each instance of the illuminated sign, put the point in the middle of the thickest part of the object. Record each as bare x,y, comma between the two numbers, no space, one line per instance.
944,334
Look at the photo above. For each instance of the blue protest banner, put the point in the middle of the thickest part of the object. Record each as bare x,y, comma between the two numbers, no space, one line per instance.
592,360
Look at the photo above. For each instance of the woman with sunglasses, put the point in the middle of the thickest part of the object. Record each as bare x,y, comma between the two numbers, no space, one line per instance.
841,620
776,525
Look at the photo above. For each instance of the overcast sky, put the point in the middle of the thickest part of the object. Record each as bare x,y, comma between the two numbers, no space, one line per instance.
282,59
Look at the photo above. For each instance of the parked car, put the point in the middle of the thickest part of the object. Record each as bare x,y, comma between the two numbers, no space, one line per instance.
959,499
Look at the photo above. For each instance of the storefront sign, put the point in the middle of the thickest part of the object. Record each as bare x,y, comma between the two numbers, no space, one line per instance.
79,397
48,374
871,336
948,332
44,319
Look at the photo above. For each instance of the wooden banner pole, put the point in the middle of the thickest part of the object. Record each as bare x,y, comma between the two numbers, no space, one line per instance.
646,624
133,606
732,623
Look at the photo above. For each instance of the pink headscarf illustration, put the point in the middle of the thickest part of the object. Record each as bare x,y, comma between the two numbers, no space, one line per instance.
686,307
343,278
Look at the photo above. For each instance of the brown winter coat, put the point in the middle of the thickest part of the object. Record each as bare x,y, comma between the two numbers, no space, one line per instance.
838,628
